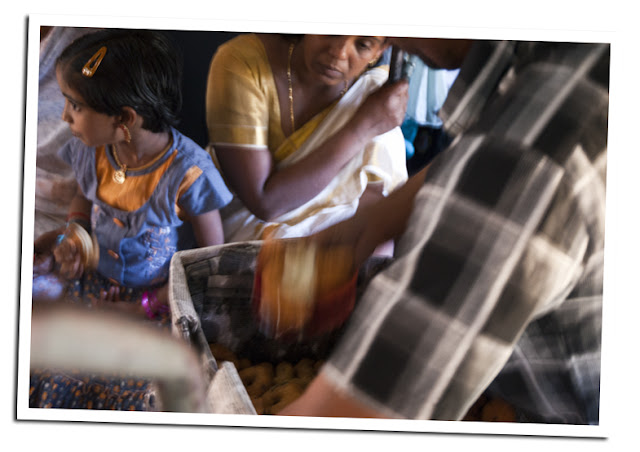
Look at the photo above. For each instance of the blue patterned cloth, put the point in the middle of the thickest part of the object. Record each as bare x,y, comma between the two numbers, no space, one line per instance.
80,391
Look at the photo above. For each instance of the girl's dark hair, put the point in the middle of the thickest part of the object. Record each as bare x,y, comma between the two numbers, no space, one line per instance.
141,69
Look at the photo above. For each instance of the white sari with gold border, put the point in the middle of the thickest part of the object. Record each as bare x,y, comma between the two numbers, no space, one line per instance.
382,160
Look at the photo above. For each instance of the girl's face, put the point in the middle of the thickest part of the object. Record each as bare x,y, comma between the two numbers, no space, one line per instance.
93,128
336,58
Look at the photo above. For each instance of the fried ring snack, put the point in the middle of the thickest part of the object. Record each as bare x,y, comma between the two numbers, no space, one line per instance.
304,368
278,397
257,379
222,353
284,372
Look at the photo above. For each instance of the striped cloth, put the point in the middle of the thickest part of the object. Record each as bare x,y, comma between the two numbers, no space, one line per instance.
498,280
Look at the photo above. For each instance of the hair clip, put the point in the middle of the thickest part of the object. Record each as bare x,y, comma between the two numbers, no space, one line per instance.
92,65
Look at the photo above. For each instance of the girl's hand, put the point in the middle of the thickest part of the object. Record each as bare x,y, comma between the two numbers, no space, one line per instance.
162,293
384,109
43,261
68,257
110,295
110,299
157,302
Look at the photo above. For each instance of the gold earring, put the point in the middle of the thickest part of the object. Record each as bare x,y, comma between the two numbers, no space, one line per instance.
127,133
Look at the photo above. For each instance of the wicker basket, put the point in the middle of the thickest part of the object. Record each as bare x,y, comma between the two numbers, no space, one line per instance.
211,301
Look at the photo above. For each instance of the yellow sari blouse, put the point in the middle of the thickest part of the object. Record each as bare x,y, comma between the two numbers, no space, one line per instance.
244,109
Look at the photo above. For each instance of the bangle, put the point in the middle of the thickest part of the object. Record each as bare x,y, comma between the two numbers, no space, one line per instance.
84,216
145,304
81,218
155,304
151,306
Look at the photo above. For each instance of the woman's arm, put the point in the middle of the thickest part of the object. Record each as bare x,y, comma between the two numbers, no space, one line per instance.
375,223
322,399
250,171
371,225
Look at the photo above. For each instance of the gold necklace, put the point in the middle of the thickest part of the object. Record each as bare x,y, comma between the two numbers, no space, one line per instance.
120,174
293,126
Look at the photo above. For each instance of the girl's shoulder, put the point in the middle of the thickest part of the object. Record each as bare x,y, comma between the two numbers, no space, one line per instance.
191,156
74,152
189,152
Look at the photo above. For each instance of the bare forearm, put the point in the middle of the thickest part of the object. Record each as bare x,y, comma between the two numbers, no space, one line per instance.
386,219
80,205
322,399
208,229
372,193
293,186
268,191
374,224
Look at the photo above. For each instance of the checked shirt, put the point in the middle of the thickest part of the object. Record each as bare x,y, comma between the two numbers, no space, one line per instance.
497,282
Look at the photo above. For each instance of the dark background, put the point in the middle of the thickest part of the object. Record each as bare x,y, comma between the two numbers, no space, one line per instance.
198,48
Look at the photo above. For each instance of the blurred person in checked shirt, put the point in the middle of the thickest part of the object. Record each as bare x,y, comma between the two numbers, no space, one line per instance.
496,283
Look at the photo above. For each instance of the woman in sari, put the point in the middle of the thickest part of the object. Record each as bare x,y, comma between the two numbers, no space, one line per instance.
304,130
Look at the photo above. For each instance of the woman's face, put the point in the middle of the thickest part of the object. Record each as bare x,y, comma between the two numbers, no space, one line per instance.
93,128
336,58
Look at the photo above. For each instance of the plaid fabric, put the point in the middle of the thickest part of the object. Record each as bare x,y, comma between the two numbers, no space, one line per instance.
498,281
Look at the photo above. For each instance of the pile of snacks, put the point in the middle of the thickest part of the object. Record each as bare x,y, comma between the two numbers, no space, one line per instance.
271,387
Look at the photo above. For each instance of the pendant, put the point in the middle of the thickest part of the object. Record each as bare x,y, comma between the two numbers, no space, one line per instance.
119,176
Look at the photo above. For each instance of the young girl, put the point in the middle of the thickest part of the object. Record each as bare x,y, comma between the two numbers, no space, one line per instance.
145,190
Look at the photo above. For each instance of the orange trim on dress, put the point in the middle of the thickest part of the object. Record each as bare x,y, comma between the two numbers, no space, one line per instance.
136,189
190,177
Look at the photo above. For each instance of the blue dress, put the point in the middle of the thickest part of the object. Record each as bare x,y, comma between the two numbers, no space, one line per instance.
136,246
135,251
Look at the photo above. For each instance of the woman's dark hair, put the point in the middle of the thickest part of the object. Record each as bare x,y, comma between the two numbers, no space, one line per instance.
141,69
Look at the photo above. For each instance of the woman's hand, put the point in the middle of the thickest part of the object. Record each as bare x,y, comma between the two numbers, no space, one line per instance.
384,109
268,191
